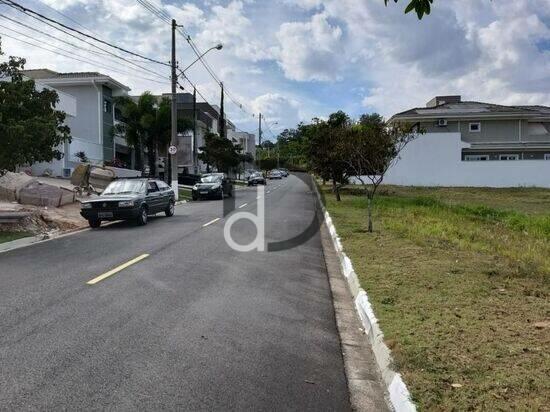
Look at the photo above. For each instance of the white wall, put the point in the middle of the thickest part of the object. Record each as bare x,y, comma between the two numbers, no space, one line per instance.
434,159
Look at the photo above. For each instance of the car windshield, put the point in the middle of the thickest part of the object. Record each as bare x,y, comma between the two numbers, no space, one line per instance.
211,179
120,187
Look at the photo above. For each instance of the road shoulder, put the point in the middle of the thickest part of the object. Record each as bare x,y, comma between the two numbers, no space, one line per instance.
364,379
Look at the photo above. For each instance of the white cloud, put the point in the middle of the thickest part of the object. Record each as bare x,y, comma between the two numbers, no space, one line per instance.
360,54
310,50
231,27
278,108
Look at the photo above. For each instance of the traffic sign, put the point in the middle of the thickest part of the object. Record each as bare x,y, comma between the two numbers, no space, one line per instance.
172,150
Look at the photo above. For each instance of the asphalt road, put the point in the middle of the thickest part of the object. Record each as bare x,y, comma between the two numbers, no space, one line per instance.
194,325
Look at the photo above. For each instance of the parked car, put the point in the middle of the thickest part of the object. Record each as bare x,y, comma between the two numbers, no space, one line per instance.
256,179
129,199
274,174
213,186
285,172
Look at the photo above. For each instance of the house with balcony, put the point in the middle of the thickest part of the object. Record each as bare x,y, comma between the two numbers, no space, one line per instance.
91,121
470,143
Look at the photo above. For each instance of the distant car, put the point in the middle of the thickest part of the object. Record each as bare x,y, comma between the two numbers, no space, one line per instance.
274,174
129,199
284,172
256,179
212,186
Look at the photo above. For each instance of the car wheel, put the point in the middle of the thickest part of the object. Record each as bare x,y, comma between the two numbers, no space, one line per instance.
194,197
170,209
142,217
94,223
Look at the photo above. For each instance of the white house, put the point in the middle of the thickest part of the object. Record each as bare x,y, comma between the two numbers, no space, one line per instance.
88,99
475,144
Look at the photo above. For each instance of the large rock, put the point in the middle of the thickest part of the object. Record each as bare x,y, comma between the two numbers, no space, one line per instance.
12,183
41,194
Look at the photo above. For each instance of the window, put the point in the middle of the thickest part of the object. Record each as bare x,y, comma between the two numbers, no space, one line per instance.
163,187
475,158
509,157
475,127
107,106
152,187
547,156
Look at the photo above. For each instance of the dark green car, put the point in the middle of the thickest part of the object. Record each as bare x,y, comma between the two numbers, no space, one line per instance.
129,199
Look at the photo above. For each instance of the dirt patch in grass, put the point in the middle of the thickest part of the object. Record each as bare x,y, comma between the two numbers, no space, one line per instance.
461,291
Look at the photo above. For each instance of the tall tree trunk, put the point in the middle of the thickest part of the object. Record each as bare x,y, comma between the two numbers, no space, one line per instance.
138,157
369,212
335,189
152,159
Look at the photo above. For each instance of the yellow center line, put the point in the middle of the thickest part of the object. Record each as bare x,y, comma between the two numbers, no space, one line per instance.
117,269
212,221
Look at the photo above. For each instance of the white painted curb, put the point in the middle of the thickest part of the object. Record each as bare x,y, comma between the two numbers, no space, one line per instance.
400,397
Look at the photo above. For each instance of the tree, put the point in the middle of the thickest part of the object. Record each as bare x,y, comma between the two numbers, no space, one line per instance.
219,152
147,124
323,145
421,7
31,130
371,149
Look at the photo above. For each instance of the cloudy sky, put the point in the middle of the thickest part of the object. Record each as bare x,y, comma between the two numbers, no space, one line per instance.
297,59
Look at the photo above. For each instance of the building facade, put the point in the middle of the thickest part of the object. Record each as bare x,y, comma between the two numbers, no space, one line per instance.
475,144
493,132
92,125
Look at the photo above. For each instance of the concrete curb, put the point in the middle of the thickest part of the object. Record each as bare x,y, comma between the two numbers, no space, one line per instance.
44,237
400,397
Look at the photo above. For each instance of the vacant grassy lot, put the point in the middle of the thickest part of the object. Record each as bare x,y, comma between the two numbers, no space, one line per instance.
10,235
460,281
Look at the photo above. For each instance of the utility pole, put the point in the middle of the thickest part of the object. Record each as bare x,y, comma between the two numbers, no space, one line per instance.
174,136
222,116
195,157
260,131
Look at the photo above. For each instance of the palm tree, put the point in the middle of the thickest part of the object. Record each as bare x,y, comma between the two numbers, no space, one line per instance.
147,124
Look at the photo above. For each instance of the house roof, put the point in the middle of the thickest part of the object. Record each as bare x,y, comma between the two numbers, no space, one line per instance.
53,77
471,109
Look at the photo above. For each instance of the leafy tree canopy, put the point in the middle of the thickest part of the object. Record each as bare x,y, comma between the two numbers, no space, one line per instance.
31,130
421,7
220,153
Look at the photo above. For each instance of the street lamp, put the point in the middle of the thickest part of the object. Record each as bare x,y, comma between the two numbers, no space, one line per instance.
218,46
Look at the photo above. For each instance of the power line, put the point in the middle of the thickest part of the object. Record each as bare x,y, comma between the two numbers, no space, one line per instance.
29,12
104,55
66,16
161,14
71,54
85,41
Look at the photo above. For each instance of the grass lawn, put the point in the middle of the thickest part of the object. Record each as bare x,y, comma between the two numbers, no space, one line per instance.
185,194
9,236
459,279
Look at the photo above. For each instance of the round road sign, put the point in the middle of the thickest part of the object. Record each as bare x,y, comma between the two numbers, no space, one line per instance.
172,150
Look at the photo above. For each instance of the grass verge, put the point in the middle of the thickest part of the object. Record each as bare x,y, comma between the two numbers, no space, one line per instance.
459,279
185,194
8,236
